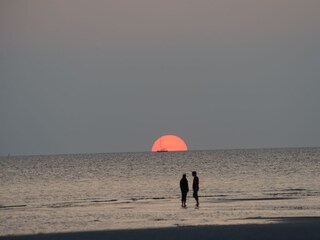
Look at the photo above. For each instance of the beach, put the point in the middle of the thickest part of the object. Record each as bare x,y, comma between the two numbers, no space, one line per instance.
243,193
285,228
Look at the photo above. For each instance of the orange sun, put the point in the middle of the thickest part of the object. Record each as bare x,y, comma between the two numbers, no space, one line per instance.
169,143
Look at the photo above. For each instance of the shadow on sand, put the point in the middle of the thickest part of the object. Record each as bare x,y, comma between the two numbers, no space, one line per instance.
285,228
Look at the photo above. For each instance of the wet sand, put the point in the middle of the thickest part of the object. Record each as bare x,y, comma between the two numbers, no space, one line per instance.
307,228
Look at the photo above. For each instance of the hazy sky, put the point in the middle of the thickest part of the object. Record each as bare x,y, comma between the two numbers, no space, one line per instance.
111,76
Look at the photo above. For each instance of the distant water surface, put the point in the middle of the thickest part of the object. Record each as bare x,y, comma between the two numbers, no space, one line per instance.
133,190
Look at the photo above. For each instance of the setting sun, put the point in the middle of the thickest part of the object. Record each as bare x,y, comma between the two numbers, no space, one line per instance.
169,143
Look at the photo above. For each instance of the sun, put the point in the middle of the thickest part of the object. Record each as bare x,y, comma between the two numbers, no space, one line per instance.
169,143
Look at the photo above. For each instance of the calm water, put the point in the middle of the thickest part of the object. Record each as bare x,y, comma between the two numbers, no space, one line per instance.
78,192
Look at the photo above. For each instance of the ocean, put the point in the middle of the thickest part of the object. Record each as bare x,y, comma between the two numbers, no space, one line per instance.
81,192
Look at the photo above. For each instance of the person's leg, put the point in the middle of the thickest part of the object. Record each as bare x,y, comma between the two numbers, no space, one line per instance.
183,199
197,199
195,195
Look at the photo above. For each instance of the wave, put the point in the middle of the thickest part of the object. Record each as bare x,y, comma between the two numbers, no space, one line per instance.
148,198
77,203
12,206
98,201
301,192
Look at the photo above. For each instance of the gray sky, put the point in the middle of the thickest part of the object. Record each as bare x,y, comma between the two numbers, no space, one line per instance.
112,76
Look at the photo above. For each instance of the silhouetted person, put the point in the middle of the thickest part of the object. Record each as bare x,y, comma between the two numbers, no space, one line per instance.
195,187
184,186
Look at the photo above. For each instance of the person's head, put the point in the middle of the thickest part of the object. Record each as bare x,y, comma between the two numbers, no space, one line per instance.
194,173
184,175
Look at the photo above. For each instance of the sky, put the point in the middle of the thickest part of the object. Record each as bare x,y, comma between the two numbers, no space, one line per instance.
94,76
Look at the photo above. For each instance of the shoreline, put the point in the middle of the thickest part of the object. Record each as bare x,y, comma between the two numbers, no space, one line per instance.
283,228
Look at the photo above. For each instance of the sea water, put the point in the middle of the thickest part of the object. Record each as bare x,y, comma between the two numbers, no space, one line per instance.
80,192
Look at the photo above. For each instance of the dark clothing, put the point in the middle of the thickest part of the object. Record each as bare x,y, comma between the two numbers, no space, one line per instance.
183,196
184,188
195,195
195,185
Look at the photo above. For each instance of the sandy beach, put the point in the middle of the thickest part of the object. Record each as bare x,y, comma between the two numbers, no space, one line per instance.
262,196
307,228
